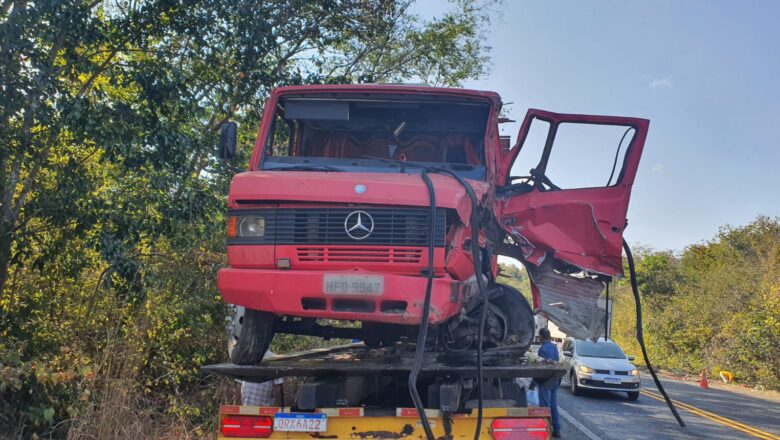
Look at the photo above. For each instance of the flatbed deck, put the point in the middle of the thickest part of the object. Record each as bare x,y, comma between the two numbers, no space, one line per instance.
357,360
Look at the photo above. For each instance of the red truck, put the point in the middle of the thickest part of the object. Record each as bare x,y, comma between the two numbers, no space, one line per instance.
386,206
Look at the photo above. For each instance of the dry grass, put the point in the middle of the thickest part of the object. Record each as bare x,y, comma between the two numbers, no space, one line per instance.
126,405
124,413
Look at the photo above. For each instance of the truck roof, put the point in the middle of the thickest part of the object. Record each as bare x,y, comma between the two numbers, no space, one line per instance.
391,88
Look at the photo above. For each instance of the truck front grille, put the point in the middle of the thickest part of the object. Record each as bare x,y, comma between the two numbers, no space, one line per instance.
367,255
304,226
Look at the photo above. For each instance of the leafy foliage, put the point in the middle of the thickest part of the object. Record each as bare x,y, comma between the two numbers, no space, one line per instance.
516,277
112,197
714,306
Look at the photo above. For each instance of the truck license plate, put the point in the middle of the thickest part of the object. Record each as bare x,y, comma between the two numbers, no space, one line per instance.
613,380
300,422
353,284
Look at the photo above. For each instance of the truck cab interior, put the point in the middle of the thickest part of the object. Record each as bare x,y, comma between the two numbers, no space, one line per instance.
372,132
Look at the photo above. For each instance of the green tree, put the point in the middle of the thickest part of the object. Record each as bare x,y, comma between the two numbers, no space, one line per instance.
111,195
516,277
714,306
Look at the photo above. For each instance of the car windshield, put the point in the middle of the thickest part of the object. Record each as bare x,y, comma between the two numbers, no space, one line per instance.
599,350
317,133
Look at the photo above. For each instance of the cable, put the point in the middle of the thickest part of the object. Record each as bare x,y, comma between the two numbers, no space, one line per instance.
640,336
617,153
606,315
423,334
476,255
477,260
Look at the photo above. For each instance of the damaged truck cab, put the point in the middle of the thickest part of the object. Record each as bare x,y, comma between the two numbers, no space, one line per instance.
332,224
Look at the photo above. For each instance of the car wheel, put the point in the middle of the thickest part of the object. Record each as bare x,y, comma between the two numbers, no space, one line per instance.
249,335
575,388
633,395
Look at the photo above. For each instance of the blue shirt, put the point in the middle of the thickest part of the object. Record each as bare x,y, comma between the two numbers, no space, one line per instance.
549,351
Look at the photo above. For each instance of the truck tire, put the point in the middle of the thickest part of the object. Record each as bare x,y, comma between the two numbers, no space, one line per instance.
249,335
519,315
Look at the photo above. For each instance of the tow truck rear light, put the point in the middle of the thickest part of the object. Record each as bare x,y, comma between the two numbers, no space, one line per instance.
246,426
519,429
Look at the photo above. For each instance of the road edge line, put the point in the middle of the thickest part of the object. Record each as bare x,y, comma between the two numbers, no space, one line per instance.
733,424
588,433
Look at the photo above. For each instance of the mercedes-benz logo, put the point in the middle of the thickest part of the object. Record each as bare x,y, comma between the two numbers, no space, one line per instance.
359,225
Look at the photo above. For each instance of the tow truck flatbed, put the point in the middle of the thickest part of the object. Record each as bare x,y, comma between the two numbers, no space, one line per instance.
356,360
356,391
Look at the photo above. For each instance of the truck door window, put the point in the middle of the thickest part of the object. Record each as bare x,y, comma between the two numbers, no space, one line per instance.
280,140
532,148
588,155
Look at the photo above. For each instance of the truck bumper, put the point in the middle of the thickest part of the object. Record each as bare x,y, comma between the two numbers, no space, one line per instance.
300,293
351,423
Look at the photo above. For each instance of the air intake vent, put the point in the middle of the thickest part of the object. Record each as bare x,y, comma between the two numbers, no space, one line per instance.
366,255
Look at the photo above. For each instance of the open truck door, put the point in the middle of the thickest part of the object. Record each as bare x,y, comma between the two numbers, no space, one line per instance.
563,203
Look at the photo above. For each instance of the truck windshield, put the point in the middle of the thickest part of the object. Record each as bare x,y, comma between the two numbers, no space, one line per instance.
599,350
372,135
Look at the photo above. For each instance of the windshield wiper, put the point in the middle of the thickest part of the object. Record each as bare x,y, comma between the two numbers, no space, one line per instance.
601,357
325,168
403,164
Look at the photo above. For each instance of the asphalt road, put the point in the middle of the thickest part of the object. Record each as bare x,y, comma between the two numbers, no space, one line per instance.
708,413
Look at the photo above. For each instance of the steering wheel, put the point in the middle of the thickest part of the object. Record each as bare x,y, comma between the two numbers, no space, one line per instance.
528,179
525,185
528,183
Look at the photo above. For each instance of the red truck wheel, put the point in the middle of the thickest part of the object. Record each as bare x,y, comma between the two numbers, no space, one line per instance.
250,335
520,316
510,322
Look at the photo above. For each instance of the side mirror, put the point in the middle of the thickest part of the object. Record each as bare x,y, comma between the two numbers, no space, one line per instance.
631,358
567,353
227,140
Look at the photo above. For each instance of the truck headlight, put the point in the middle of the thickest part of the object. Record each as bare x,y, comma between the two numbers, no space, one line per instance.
585,369
250,226
634,372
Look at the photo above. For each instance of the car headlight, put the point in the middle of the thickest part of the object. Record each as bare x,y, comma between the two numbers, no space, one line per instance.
250,226
634,372
585,369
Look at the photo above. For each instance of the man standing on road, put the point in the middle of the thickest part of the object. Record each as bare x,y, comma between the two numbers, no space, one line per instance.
548,390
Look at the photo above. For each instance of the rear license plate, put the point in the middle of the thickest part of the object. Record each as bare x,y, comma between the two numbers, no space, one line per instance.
353,284
613,380
298,422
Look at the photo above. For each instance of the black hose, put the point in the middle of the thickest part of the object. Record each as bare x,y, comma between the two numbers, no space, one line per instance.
423,334
606,315
617,153
476,256
640,336
477,260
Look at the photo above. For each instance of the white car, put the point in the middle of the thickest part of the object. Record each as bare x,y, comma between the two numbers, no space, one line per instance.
600,365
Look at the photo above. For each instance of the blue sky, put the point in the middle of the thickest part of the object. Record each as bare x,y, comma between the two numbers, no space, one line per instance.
707,75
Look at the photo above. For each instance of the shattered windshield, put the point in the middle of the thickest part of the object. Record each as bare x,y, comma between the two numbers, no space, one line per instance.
373,135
